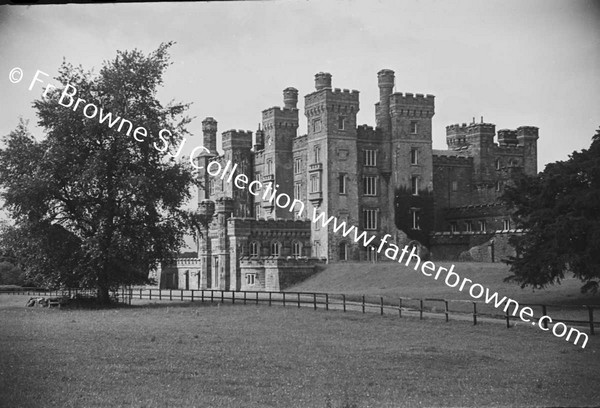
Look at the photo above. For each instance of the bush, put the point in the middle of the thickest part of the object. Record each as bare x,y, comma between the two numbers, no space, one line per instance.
11,275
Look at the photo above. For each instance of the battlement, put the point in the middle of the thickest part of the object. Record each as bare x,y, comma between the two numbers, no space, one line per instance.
236,139
481,128
345,91
527,131
408,98
447,160
457,128
366,132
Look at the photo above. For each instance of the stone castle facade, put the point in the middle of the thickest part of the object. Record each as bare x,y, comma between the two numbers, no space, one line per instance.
385,179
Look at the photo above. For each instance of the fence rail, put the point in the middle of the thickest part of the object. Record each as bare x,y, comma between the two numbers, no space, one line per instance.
400,306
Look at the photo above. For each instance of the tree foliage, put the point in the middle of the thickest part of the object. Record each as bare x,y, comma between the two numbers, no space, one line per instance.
91,205
559,209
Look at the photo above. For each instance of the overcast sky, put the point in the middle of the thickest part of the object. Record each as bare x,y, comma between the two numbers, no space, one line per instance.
513,62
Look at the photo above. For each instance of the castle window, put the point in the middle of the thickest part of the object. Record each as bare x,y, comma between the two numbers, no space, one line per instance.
371,158
506,225
414,185
343,251
315,183
342,183
250,279
453,227
269,166
317,125
415,218
370,186
317,154
341,122
296,249
276,248
371,253
254,248
297,191
211,187
455,185
257,211
316,248
414,127
469,226
497,164
414,156
482,225
298,165
370,219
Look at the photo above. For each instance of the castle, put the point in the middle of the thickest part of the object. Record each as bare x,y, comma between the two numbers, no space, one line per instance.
385,179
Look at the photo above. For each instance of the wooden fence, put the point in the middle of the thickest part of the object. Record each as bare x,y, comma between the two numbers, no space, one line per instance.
383,305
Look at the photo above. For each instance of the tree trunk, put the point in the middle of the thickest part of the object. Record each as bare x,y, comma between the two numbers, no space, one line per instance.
103,295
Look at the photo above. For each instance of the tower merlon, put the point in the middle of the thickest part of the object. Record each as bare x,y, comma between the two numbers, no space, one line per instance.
530,132
322,80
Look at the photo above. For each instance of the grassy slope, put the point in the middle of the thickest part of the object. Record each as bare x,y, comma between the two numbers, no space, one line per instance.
393,279
197,355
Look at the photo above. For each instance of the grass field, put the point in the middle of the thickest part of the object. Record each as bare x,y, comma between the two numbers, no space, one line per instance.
202,355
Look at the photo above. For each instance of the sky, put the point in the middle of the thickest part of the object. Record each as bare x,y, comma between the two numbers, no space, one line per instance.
515,63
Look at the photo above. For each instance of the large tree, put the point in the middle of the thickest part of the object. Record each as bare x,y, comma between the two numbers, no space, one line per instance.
559,211
94,205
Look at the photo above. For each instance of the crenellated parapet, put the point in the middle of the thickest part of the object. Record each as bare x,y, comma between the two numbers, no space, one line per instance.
412,105
237,139
454,161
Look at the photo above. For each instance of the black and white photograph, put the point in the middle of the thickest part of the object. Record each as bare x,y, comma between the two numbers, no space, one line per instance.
300,203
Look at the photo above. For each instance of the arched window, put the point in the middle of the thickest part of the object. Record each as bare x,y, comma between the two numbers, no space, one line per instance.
296,249
276,248
343,251
254,248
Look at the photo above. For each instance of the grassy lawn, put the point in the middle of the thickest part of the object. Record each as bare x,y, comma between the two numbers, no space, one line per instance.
202,355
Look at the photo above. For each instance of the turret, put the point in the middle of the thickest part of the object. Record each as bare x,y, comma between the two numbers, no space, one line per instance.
322,81
527,137
385,80
290,98
209,134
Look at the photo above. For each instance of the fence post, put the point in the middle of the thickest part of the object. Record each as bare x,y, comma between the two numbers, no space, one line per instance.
212,295
222,296
270,298
421,309
399,307
344,301
202,295
474,314
591,313
544,312
283,299
363,303
257,298
381,305
159,294
507,319
192,295
182,295
315,300
326,301
140,293
446,310
298,299
244,297
233,297
170,294
150,294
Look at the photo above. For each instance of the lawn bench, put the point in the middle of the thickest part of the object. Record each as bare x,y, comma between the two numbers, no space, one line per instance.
58,301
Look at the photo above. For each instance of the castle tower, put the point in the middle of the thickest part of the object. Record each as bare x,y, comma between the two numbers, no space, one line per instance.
331,159
527,137
412,160
280,126
219,265
206,211
209,141
238,158
456,136
480,138
385,80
